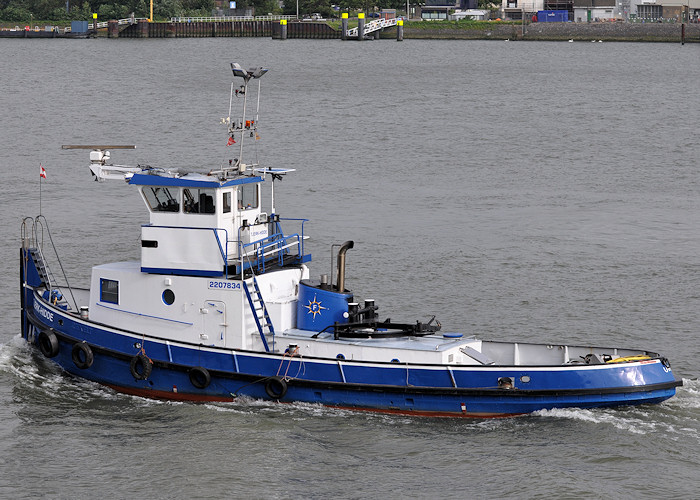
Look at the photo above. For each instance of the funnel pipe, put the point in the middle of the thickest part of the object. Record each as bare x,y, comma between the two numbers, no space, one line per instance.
341,264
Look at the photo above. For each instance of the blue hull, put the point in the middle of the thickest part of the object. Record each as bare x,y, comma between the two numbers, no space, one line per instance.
151,367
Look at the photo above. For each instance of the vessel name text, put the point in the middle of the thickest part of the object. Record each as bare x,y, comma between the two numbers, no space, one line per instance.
43,312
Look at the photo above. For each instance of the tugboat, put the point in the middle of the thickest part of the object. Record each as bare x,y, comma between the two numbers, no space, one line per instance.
222,304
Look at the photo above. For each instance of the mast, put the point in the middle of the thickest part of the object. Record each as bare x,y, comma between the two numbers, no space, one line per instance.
235,127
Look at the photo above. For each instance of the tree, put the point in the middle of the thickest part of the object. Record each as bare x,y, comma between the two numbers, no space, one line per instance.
307,7
15,13
23,10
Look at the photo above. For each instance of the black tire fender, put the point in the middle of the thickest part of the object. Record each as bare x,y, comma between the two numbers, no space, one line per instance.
199,377
141,367
48,344
82,355
276,387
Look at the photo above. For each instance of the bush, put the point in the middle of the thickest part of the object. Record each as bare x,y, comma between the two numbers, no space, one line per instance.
16,14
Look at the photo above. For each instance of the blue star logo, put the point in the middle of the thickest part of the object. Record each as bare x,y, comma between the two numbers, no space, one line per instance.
315,307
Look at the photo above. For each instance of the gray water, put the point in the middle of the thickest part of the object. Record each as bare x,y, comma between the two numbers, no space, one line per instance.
528,191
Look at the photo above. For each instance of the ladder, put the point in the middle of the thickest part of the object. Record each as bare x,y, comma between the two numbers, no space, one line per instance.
42,268
262,318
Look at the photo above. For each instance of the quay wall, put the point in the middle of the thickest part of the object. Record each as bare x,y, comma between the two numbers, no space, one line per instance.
260,28
606,31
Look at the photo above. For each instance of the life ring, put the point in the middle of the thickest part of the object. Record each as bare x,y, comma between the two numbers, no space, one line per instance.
141,367
48,344
276,387
200,377
82,355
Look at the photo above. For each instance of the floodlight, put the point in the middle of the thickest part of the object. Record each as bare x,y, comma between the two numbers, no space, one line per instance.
238,71
257,72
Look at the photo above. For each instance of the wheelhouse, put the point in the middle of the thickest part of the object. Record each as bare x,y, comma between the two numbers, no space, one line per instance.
202,226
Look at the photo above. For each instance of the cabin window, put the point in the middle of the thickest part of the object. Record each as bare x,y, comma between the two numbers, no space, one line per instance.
199,201
109,291
168,296
248,196
161,199
227,202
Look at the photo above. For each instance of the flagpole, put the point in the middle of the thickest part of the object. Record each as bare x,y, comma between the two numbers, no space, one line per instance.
42,175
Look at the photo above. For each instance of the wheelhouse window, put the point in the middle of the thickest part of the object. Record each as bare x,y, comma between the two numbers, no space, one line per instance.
199,201
248,196
161,199
109,291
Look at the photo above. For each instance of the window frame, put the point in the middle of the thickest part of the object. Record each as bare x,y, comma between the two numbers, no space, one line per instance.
108,295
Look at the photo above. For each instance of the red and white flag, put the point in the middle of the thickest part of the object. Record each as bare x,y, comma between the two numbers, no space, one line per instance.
231,140
42,172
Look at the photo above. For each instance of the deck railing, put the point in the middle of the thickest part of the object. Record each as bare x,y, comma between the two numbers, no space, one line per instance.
274,247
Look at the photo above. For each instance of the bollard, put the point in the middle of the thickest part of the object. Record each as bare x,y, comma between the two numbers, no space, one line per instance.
344,26
399,30
683,34
360,25
283,30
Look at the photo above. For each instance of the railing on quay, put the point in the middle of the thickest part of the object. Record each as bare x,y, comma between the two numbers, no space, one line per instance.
373,26
128,20
228,18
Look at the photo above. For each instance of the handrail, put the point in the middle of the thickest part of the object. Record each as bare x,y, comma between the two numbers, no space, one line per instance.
264,242
39,245
104,24
228,18
264,245
273,244
303,221
373,26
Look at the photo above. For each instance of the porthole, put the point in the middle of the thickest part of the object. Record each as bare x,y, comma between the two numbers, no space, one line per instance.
168,296
340,356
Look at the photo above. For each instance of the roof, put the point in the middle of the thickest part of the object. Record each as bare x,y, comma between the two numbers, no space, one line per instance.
190,180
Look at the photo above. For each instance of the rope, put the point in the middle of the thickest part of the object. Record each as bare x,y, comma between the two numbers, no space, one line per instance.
291,355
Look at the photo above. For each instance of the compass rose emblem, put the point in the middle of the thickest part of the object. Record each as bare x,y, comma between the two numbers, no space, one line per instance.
315,307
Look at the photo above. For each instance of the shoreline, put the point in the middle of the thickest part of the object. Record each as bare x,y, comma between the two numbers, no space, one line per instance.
417,30
605,31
